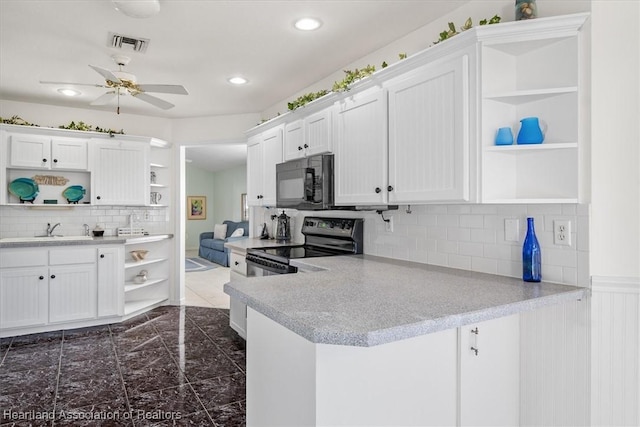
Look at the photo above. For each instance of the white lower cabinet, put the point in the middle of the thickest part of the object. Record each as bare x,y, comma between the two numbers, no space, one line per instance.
24,297
432,379
110,281
51,288
489,372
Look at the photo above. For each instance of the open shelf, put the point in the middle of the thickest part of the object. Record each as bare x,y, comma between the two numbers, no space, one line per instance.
531,147
133,307
132,286
133,264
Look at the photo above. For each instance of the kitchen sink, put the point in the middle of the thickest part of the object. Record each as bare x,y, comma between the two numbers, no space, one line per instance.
44,239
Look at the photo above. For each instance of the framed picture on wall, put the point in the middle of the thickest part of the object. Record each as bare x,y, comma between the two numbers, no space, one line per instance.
196,207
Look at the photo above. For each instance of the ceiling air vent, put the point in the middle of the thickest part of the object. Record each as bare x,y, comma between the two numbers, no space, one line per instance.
120,41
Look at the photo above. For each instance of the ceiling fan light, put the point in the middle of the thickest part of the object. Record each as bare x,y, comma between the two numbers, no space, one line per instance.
307,24
69,92
237,80
137,8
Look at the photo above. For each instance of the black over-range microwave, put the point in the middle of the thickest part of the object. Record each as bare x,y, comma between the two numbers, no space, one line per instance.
305,184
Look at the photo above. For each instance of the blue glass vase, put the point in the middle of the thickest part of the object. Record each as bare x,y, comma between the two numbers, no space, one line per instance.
531,255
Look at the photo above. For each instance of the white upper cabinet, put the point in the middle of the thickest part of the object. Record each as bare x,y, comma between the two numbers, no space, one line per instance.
45,152
361,148
429,125
308,136
264,151
120,172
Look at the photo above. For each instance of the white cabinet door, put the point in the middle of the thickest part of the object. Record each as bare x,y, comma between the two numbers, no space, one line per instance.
24,297
110,281
361,149
271,155
69,153
294,140
120,173
318,133
45,152
254,171
72,292
308,136
490,373
30,151
429,133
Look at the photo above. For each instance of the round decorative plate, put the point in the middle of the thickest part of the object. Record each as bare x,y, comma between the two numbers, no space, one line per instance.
74,193
25,189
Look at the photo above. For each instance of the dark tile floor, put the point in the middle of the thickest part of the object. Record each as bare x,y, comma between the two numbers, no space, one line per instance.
170,366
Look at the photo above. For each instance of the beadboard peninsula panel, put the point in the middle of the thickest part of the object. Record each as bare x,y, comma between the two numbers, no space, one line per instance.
554,365
615,344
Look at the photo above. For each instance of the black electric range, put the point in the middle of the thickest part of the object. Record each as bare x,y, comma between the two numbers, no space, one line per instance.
323,237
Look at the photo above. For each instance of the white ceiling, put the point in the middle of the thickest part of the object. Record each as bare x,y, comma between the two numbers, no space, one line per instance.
197,44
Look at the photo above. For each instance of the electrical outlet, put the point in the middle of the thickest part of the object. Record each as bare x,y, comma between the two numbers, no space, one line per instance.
146,215
562,232
512,230
388,224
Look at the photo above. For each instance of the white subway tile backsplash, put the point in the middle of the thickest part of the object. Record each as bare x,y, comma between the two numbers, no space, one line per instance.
472,221
484,265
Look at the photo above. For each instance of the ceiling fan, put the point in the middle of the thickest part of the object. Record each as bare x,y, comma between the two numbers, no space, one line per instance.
120,83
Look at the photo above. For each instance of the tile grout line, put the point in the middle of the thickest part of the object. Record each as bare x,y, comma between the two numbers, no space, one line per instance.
55,394
124,387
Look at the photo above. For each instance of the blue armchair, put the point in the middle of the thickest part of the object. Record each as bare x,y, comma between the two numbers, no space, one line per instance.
214,250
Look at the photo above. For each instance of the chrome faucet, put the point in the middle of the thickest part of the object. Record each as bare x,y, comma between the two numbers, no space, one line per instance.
86,229
50,229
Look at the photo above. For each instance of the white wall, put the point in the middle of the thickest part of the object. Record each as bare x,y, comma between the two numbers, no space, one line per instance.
228,185
200,129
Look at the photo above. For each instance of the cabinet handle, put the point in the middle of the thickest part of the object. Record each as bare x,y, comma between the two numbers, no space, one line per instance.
101,255
378,189
53,276
474,350
389,188
306,145
41,277
474,337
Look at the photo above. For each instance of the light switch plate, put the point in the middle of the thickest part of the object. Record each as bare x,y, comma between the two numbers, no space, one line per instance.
512,230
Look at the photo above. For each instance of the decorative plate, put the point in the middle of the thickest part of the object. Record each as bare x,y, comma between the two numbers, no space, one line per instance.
25,189
74,193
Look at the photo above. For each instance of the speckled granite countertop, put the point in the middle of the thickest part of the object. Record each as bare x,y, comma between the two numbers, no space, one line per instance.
108,240
362,300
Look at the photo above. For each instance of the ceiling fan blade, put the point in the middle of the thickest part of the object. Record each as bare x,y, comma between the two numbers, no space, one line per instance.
70,83
174,89
153,100
106,74
104,99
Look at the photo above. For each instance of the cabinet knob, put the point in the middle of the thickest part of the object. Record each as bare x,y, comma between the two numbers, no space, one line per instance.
389,188
475,350
41,277
53,276
98,197
236,263
101,255
44,160
306,145
378,189
299,148
55,160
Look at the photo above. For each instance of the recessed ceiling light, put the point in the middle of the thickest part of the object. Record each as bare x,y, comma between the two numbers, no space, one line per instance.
307,24
69,92
237,80
137,8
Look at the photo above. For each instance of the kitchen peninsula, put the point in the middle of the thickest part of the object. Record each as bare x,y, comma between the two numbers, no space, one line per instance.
366,340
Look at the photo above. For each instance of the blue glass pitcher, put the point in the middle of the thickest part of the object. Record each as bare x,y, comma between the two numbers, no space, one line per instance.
530,132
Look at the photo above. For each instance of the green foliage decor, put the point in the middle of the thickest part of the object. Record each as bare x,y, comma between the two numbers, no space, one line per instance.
353,76
82,126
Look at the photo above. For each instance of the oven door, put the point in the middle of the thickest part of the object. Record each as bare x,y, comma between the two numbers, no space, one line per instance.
258,267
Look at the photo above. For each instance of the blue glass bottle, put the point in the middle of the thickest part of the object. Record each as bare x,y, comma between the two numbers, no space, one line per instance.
531,255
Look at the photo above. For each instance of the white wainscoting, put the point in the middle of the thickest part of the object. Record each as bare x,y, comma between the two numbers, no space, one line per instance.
554,365
615,355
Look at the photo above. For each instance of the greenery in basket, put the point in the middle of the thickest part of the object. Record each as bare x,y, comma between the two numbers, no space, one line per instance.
451,31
